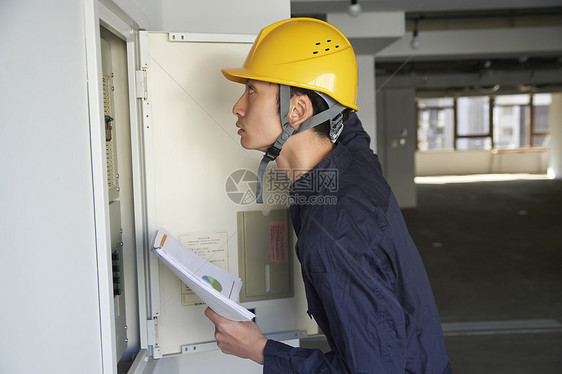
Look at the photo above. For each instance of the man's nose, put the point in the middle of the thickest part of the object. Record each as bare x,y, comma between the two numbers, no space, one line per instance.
239,109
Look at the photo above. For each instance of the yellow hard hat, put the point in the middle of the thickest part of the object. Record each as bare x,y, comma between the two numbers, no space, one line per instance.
306,53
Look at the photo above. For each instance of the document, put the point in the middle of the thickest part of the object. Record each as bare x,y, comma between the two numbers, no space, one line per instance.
215,286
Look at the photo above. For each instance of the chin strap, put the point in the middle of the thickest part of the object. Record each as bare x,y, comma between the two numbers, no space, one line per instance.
333,114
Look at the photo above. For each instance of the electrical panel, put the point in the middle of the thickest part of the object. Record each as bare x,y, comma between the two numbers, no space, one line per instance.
265,265
191,153
116,230
117,276
110,151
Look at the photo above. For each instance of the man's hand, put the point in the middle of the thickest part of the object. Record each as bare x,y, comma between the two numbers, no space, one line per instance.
242,339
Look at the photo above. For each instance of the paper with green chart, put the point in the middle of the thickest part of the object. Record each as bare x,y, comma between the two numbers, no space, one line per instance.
216,287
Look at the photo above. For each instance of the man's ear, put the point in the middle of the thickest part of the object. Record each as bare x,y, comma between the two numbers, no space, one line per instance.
300,110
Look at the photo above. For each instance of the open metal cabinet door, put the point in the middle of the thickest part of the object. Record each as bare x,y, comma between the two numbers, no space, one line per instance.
197,174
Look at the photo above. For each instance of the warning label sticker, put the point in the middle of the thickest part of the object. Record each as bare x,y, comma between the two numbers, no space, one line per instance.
278,242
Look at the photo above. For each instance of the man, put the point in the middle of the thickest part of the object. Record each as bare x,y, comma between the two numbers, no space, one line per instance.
365,283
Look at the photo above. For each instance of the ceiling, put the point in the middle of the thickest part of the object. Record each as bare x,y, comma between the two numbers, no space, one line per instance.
446,15
302,7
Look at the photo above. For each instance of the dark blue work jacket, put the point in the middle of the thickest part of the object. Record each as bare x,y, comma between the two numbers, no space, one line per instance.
365,282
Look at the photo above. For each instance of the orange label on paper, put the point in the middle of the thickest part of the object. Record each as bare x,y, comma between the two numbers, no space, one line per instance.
164,237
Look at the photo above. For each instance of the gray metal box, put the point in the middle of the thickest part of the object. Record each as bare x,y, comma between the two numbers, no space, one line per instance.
264,255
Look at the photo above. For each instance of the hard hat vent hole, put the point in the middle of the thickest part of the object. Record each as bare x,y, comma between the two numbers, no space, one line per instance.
325,49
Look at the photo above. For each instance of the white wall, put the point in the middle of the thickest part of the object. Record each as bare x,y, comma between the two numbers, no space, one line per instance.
220,16
48,269
555,165
366,96
481,162
396,129
146,13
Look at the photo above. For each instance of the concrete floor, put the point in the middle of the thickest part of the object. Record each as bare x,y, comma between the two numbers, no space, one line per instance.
493,252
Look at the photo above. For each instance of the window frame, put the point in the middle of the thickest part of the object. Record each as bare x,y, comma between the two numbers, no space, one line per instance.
490,133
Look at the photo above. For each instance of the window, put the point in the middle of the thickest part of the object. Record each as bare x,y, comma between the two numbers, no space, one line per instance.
512,121
473,116
473,123
435,124
541,118
483,122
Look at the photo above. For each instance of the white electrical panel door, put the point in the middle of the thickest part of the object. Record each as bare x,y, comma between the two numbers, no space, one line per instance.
193,154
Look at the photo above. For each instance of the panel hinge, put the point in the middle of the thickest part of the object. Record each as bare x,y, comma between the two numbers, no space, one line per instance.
152,337
140,84
146,115
143,49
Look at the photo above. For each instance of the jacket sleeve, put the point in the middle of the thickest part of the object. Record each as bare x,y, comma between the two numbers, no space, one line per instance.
280,358
364,320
